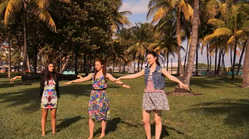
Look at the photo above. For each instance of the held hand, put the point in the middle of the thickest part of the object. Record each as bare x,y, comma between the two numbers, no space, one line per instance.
67,83
118,79
126,86
184,86
118,82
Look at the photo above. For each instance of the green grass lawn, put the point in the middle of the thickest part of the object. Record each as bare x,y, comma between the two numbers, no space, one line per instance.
220,112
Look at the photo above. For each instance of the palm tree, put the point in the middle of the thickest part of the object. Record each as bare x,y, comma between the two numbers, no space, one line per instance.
142,37
161,8
119,19
20,6
193,45
228,27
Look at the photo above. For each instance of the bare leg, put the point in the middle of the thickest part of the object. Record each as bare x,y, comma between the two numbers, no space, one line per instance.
146,121
103,126
43,120
157,116
91,127
53,119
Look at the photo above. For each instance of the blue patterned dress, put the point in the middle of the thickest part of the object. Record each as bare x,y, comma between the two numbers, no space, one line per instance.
98,107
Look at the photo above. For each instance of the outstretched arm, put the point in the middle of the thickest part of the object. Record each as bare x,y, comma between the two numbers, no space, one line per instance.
80,80
14,78
26,77
172,78
132,76
110,77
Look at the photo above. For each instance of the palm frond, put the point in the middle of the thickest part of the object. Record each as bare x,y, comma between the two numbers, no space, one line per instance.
46,17
217,23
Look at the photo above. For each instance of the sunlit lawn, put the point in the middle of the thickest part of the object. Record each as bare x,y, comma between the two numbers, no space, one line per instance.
220,112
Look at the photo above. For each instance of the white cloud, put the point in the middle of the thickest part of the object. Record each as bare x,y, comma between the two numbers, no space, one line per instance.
135,6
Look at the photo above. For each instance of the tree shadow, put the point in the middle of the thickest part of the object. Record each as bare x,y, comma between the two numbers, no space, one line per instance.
67,122
7,84
112,125
237,111
30,96
164,132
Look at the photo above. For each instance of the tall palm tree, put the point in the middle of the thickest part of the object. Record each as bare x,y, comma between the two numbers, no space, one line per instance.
20,6
162,7
228,27
119,19
142,37
193,45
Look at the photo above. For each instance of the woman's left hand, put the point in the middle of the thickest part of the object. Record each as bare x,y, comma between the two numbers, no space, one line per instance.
126,86
79,76
184,86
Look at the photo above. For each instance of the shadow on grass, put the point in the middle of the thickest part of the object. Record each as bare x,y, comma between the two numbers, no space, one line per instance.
30,96
210,82
112,125
67,122
237,111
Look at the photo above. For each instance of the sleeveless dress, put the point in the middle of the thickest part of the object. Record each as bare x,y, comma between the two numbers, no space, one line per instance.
49,95
98,106
154,99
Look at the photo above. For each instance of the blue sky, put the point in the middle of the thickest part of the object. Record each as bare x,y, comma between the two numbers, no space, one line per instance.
139,9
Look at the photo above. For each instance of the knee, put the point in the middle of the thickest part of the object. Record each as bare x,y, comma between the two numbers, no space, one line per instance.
146,121
158,120
53,116
44,116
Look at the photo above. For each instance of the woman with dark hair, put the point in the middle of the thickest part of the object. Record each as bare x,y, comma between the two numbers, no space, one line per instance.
154,97
49,92
98,106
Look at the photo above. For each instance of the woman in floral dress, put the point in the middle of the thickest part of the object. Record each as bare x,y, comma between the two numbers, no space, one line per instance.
98,106
49,92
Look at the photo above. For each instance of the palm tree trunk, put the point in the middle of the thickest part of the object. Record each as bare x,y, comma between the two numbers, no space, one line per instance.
76,61
223,62
231,56
138,62
193,44
179,69
35,60
9,72
85,65
168,61
24,40
245,80
28,63
234,59
196,58
113,62
215,62
218,68
185,59
240,59
207,59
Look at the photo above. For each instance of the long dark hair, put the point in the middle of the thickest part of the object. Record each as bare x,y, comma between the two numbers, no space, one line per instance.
154,55
102,62
48,74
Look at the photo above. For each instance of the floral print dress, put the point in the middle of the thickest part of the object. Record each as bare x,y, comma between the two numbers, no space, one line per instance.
98,106
49,96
